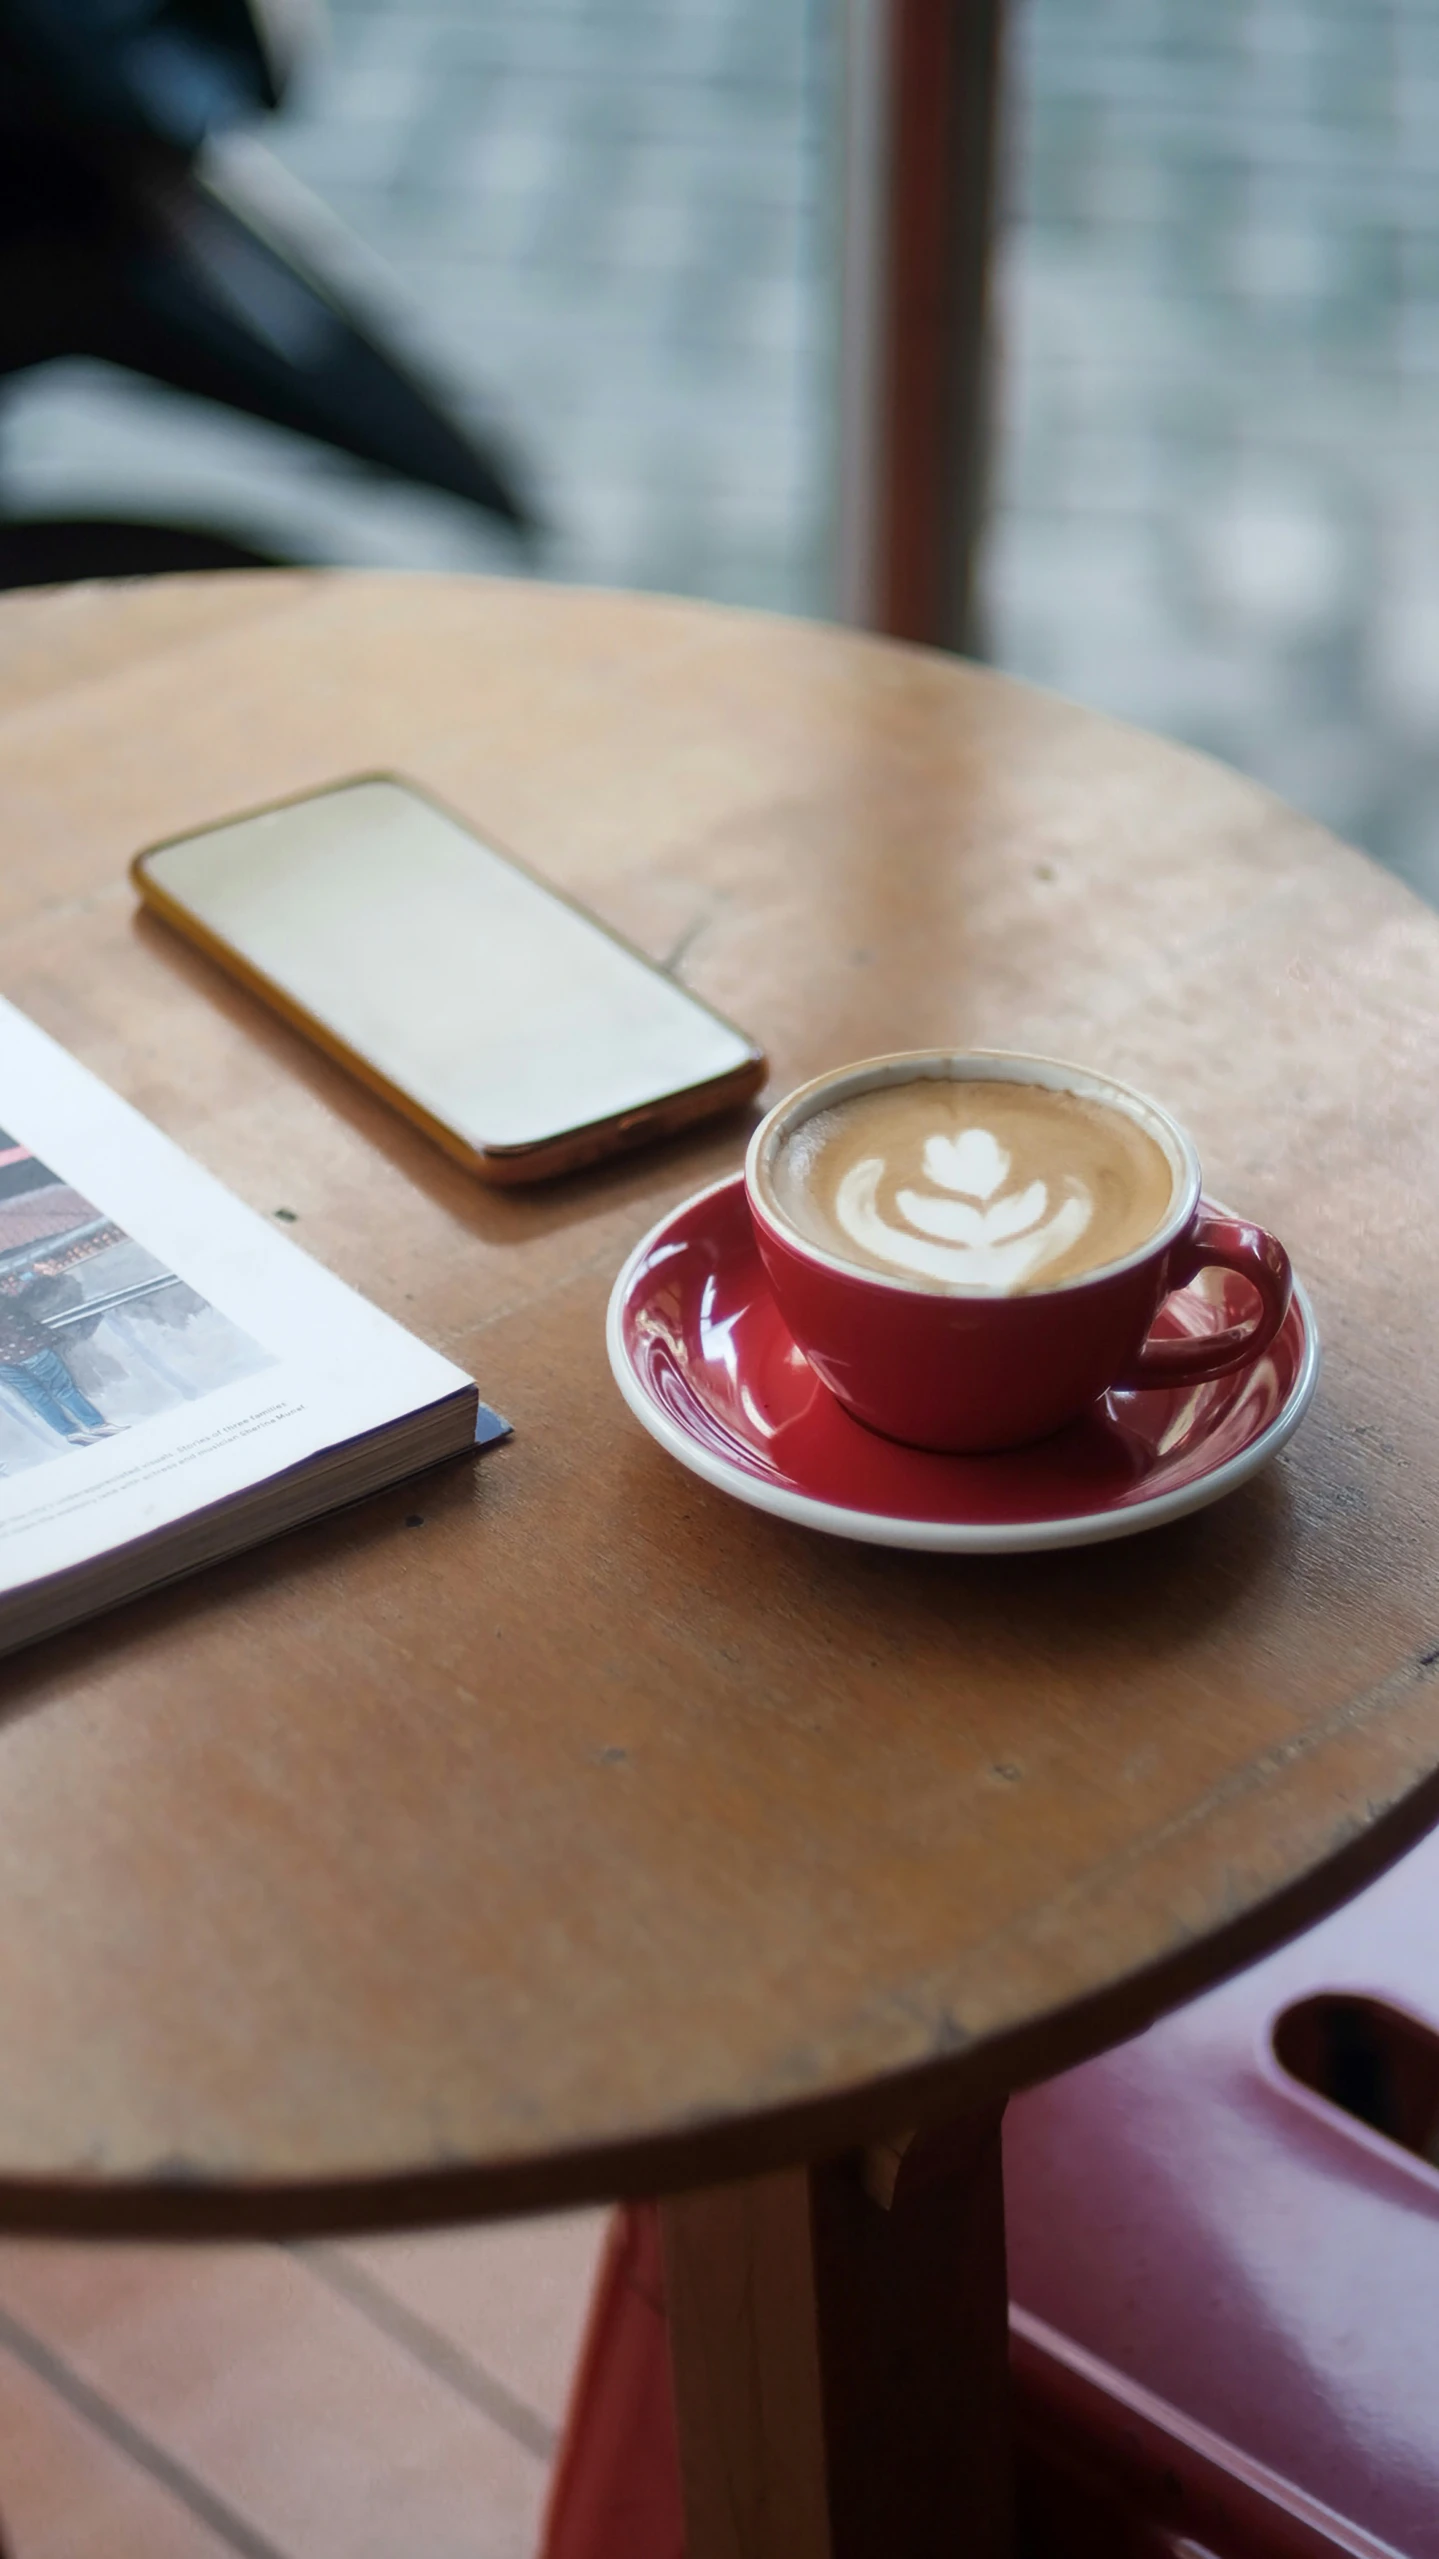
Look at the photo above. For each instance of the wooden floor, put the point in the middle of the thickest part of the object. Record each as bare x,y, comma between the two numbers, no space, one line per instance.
396,2399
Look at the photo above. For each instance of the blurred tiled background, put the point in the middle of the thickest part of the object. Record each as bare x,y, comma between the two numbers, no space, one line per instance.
609,225
1220,477
597,220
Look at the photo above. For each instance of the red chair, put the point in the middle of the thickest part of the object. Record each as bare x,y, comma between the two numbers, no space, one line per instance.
1224,2275
1235,2215
615,2493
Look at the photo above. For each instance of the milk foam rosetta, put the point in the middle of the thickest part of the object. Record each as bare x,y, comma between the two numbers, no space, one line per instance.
992,1186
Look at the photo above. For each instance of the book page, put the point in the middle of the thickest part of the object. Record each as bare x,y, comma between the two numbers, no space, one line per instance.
161,1345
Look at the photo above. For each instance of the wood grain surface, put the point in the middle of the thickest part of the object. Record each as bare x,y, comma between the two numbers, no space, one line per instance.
596,1835
841,2363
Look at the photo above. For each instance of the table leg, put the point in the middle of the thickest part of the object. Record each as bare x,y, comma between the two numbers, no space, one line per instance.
839,2338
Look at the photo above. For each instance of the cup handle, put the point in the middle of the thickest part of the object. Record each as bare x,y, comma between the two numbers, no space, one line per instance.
1231,1244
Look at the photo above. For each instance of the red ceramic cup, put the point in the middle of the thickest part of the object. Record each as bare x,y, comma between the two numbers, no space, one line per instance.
970,1369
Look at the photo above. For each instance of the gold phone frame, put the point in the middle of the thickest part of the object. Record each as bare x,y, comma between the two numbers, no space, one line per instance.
568,1150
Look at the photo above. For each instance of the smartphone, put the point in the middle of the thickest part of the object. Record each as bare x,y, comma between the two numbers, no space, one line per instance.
519,1032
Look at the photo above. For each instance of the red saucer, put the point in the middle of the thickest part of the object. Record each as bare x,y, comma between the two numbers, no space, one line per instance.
703,1360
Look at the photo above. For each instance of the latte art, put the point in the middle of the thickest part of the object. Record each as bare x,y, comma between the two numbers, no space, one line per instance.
974,1185
951,1233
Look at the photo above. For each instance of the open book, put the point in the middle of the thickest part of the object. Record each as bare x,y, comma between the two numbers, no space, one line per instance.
177,1381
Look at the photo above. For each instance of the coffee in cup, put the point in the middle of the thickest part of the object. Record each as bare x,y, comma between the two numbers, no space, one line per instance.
974,1185
970,1249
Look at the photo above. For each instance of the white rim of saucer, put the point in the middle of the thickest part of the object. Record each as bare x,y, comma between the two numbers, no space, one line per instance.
934,1536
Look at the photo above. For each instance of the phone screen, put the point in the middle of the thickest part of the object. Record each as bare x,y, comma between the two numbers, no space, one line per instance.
507,1014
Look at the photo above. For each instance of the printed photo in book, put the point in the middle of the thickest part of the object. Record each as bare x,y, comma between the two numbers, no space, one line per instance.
178,1380
95,1334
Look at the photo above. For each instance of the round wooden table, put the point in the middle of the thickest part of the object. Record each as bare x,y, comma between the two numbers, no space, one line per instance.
557,1828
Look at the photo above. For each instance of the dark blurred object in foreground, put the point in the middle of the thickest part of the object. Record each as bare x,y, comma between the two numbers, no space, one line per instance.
117,242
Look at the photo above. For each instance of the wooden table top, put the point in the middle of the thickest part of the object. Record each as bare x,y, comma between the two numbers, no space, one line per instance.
599,1835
